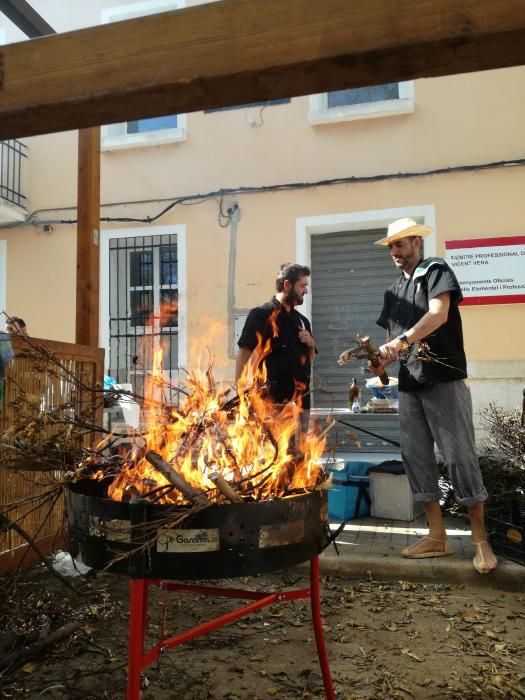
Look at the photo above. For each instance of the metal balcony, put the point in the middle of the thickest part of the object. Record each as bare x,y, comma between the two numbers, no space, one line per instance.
13,155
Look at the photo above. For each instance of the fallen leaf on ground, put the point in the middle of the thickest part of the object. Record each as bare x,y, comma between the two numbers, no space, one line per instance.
412,655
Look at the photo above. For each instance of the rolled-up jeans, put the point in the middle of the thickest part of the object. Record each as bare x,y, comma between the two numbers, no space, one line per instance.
440,414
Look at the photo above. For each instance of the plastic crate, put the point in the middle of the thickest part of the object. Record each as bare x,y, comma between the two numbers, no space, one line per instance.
506,529
348,496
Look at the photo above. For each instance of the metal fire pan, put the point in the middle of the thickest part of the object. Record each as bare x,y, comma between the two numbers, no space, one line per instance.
224,540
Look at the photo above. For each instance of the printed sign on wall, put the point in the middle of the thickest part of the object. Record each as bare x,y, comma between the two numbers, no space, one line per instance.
489,270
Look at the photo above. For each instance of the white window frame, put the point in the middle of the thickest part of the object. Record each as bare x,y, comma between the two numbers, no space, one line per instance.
105,236
115,136
320,113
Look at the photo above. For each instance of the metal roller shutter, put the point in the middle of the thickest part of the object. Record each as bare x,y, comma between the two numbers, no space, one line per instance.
349,278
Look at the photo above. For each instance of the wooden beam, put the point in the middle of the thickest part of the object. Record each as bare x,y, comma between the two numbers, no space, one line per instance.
25,17
88,227
238,51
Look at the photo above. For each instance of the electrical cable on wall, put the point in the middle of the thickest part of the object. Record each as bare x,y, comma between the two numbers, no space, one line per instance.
218,195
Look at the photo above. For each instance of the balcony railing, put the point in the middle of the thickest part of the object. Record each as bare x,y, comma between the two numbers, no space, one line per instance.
12,156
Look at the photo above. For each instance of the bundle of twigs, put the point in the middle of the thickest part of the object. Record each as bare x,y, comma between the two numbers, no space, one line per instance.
47,412
501,459
506,435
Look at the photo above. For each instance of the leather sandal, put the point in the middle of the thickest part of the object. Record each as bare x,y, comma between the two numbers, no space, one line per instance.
479,561
408,552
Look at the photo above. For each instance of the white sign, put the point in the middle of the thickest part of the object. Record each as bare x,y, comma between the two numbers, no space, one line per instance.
489,270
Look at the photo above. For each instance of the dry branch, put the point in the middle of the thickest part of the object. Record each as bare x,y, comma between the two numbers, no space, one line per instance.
11,661
365,349
175,479
6,524
501,459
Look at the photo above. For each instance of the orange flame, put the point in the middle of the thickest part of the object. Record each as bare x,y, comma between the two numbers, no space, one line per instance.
250,441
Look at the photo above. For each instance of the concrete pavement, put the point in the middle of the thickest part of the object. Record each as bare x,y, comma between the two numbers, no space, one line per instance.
369,547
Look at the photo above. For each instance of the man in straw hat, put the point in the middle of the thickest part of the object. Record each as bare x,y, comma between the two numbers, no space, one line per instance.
434,399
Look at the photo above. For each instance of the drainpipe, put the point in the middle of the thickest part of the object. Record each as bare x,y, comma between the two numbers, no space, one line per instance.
234,214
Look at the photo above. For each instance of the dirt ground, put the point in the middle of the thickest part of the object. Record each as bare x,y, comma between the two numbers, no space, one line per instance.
385,640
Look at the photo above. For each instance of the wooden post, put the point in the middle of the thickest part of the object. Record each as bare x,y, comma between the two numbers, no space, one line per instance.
88,234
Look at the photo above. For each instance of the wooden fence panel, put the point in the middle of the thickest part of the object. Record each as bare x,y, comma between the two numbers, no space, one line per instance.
39,374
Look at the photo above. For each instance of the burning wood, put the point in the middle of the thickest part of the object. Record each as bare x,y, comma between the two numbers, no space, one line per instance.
241,449
217,445
225,488
176,479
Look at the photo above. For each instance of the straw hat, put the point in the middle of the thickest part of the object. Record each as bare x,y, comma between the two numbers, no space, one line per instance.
403,228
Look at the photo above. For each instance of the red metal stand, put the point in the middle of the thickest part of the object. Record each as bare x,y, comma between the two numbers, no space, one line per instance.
138,614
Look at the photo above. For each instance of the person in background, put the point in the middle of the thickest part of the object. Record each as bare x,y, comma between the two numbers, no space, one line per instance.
289,363
16,325
6,355
434,399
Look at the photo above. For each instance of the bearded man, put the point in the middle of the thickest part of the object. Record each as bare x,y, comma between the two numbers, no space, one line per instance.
434,399
289,335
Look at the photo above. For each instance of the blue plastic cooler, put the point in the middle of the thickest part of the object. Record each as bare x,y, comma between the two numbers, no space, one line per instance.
348,496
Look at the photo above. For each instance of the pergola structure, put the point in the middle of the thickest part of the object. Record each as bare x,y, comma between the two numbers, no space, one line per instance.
226,53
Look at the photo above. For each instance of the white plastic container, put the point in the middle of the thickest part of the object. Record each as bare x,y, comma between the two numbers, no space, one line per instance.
391,497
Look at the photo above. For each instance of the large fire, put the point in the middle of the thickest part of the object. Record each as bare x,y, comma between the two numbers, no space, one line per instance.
249,441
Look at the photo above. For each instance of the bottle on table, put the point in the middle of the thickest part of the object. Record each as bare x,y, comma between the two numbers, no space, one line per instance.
353,396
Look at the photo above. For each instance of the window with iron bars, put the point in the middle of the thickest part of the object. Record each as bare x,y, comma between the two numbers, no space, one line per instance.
12,156
143,282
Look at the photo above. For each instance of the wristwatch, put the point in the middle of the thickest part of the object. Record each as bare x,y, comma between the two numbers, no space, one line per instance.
403,338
